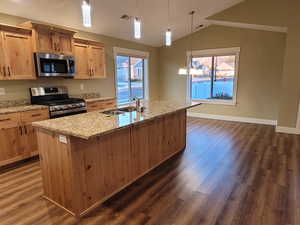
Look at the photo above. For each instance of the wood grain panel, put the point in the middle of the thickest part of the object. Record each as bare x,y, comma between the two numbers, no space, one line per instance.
102,166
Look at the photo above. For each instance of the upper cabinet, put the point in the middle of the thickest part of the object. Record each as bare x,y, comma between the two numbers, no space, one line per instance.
90,59
16,53
51,39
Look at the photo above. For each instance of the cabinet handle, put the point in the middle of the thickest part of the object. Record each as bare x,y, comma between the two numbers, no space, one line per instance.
4,71
9,72
93,72
25,129
35,115
3,120
21,130
90,71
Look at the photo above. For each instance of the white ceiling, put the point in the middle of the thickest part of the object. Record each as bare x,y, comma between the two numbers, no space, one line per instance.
106,15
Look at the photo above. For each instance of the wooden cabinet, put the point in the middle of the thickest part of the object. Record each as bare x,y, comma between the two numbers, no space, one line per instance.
50,38
2,62
101,105
90,59
81,53
17,136
16,54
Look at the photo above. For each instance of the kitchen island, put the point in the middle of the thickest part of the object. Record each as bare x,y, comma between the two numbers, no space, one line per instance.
87,158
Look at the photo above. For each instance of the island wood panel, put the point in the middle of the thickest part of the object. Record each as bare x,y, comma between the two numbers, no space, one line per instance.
91,171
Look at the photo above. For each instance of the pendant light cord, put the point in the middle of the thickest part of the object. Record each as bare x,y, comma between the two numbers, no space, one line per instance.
168,14
191,38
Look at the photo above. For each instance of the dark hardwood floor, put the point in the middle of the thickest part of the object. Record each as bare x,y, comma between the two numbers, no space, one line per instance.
230,174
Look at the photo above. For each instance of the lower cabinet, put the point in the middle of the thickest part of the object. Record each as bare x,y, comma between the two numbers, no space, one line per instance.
17,136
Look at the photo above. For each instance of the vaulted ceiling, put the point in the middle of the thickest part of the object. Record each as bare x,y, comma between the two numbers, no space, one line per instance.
107,13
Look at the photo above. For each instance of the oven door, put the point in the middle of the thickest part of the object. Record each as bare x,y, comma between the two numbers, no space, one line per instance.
52,65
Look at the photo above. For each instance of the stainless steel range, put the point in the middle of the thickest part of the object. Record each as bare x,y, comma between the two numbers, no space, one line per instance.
58,100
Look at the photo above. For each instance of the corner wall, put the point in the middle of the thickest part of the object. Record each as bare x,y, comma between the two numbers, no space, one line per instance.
260,70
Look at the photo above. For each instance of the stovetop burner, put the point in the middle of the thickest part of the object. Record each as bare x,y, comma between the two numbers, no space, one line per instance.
58,100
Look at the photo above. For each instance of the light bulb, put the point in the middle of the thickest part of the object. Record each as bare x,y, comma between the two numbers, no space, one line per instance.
137,28
86,14
168,37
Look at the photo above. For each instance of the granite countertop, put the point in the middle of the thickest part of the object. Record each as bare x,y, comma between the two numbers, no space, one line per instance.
93,124
21,108
98,99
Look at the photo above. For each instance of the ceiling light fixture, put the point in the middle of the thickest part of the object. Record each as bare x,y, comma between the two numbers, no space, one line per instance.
137,28
86,13
168,32
189,69
137,24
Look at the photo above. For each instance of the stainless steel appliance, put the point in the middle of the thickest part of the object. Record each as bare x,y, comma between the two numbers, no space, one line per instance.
53,65
58,100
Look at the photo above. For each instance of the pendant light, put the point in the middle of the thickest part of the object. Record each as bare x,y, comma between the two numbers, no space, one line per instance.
86,13
137,25
168,32
189,69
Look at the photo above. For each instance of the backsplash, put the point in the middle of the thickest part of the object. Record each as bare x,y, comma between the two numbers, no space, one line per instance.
12,103
21,102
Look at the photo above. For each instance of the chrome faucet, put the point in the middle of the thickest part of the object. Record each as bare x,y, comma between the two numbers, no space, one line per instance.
138,104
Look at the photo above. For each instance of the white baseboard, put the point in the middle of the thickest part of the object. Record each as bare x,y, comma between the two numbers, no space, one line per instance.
233,118
288,130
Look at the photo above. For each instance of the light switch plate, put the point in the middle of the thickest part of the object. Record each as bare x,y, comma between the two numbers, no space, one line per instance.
2,91
63,139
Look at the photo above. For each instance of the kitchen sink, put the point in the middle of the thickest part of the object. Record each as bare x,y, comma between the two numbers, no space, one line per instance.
127,109
120,110
113,112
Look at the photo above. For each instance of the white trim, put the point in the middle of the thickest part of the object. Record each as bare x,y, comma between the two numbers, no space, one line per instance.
233,118
130,52
248,26
298,117
217,52
288,130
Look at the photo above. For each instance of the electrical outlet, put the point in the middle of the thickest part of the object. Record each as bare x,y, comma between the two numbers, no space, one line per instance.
2,91
81,87
63,139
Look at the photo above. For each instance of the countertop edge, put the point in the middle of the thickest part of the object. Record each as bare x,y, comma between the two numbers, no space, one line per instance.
35,124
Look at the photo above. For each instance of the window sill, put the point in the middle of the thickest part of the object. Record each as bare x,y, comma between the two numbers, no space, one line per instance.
216,102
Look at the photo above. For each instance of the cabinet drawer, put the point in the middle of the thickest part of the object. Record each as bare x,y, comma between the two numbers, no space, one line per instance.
35,115
9,120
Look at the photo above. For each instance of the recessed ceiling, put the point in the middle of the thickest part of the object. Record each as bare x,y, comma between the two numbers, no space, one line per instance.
107,13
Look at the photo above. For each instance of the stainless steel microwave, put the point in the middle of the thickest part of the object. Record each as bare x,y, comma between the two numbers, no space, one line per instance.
53,65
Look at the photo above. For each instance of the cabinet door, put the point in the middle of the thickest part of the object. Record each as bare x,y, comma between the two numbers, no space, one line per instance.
30,139
64,43
2,62
30,142
11,140
11,145
45,41
81,53
97,58
18,56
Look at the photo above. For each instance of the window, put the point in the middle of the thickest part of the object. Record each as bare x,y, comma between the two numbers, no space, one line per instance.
130,77
218,78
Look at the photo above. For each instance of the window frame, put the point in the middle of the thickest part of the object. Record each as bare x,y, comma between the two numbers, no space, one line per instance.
213,53
117,51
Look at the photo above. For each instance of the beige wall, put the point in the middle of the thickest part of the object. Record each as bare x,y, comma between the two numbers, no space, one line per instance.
276,13
260,69
19,89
